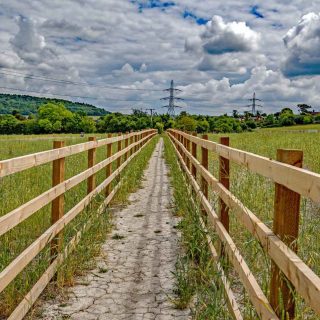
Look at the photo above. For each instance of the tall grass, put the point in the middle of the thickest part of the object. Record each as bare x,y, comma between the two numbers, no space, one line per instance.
197,280
23,186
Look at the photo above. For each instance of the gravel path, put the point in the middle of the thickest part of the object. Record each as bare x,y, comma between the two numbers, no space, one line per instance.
133,279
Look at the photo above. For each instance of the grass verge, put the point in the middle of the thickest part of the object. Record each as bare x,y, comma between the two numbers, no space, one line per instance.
197,281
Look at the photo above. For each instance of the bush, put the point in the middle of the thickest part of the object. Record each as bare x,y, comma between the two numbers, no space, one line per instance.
159,126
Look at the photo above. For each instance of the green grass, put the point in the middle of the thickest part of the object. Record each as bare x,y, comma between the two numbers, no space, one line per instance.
197,280
23,186
257,193
304,127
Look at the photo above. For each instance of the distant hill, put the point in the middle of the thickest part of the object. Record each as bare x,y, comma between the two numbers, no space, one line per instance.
28,104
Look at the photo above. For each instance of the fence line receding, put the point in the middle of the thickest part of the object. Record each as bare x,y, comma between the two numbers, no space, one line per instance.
289,274
129,145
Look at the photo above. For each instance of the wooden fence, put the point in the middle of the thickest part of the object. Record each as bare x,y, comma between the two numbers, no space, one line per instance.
133,143
291,181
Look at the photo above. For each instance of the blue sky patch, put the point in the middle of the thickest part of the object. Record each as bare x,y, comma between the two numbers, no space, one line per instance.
151,4
189,14
255,11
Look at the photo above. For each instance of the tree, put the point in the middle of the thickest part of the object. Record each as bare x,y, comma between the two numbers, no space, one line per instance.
159,126
287,119
235,114
202,126
269,120
286,110
304,108
187,123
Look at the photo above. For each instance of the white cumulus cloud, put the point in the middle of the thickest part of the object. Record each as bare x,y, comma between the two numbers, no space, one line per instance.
303,45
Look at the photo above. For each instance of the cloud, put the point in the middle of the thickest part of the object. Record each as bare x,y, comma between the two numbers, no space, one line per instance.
27,43
226,47
112,42
303,47
220,37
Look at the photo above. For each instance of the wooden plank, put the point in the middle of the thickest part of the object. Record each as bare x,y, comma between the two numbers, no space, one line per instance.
253,289
109,166
18,164
302,181
286,227
91,182
21,261
57,207
16,216
306,282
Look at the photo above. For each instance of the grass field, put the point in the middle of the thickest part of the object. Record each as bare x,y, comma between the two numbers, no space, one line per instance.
257,193
23,186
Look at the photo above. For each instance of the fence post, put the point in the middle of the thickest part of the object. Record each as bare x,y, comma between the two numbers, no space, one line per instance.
204,163
286,227
224,176
119,149
109,166
136,140
188,148
91,182
131,142
57,207
126,144
194,154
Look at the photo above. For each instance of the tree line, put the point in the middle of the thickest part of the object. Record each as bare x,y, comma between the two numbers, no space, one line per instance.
54,117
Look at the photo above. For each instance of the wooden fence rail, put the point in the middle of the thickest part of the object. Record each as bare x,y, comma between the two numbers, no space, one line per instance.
133,143
291,182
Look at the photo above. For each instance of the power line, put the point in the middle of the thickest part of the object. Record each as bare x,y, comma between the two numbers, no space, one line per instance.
171,106
62,81
72,96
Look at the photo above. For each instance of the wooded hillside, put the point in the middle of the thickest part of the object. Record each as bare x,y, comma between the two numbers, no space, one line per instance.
26,105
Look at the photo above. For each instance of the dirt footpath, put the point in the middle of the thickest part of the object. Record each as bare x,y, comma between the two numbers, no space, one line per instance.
133,279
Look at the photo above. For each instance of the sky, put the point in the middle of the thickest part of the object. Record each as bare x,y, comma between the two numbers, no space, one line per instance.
121,54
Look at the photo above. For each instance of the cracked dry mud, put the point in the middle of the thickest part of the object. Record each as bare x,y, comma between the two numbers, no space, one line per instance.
133,278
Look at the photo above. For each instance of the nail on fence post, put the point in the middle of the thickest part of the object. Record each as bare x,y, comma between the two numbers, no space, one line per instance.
109,166
286,227
91,182
57,207
224,179
194,153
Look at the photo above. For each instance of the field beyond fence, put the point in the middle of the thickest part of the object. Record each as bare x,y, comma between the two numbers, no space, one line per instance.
49,244
290,278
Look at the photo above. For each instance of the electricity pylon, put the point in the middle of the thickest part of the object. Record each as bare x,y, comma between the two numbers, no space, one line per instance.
171,106
254,105
151,114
